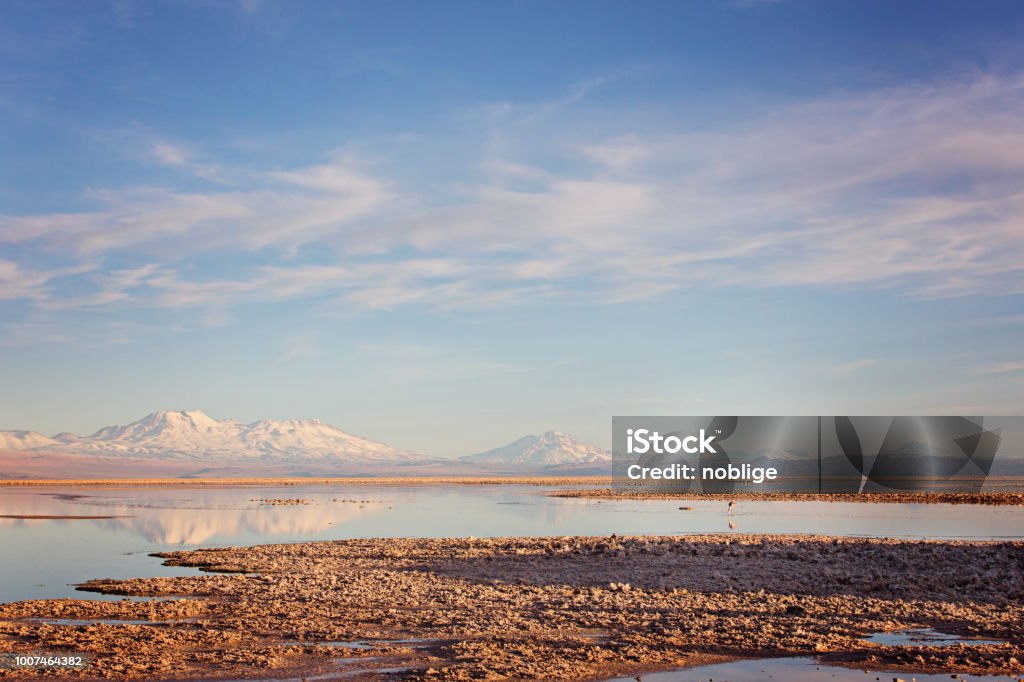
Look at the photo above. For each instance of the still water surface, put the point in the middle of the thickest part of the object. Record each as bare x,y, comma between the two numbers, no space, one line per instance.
797,670
45,557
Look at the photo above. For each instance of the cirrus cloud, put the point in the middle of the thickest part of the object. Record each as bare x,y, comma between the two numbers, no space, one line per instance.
913,190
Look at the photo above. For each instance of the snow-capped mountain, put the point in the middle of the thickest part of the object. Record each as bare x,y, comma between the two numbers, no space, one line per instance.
191,444
160,433
197,436
313,438
23,440
547,450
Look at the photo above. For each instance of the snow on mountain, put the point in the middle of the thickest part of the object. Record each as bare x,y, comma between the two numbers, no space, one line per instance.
24,440
195,435
313,438
192,438
549,449
184,433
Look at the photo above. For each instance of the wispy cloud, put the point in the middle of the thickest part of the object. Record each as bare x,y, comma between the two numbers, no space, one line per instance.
302,206
36,285
298,346
1002,368
531,112
915,191
180,157
856,365
576,93
19,283
169,155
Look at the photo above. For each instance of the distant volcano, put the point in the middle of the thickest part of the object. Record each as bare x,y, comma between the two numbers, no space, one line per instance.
550,449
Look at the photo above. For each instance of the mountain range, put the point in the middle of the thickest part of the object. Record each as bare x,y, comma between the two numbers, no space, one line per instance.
195,435
193,444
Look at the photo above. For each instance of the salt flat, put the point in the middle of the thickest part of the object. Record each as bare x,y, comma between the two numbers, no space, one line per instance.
545,608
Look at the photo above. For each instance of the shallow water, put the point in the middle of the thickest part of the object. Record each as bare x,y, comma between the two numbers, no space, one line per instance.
925,637
43,558
793,670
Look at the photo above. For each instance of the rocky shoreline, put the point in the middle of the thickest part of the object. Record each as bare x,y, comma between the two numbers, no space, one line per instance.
538,608
990,499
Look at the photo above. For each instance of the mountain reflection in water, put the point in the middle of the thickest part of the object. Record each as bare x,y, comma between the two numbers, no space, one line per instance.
44,555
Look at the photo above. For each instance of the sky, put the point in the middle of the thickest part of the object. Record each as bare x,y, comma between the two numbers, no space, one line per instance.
446,225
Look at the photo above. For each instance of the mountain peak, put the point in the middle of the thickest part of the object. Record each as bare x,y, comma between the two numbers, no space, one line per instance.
551,448
195,416
188,428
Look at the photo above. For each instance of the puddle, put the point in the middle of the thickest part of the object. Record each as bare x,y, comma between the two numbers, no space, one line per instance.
351,669
794,670
111,596
344,645
925,637
369,671
414,643
304,678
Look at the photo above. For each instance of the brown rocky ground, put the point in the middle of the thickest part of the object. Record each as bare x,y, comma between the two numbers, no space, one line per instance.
541,608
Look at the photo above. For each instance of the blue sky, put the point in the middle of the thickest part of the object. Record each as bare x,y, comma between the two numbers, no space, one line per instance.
445,225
